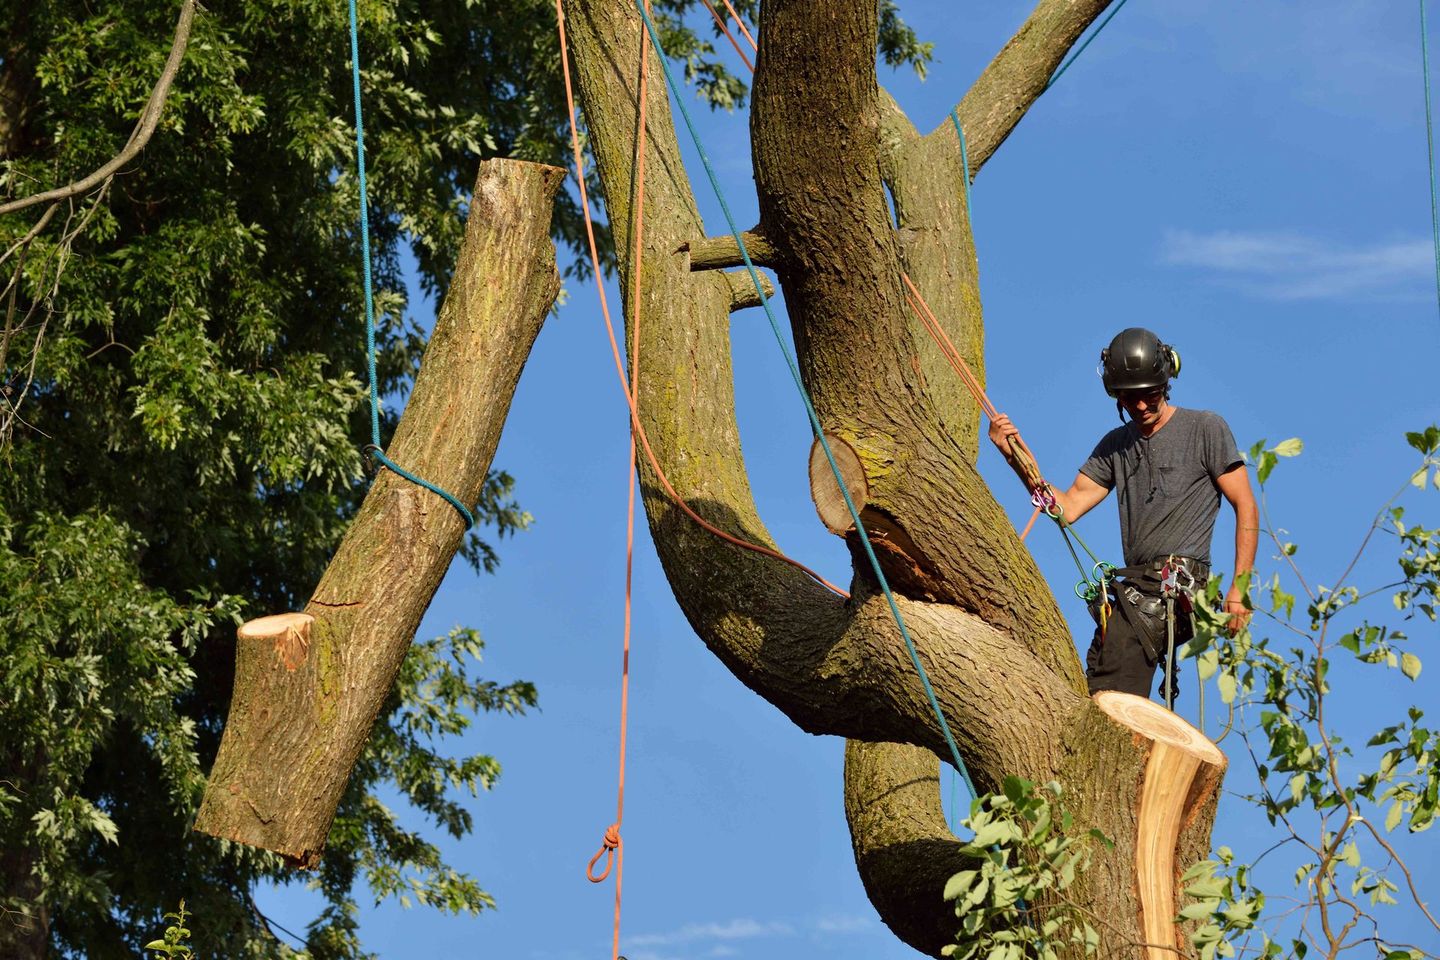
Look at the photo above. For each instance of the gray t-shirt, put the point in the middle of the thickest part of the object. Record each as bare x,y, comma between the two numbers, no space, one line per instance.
1165,483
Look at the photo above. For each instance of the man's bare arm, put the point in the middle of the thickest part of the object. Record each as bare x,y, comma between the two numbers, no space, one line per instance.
1081,498
1235,488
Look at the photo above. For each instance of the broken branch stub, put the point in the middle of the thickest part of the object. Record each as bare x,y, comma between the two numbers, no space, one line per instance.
297,726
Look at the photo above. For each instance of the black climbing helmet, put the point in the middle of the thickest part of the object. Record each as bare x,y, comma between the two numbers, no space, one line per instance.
1137,360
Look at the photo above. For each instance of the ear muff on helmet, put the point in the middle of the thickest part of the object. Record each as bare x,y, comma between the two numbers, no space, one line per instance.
1173,357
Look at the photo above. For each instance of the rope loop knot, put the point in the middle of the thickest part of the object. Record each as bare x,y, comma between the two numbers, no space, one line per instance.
608,846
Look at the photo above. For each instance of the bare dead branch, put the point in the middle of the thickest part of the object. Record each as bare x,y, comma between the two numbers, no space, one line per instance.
144,129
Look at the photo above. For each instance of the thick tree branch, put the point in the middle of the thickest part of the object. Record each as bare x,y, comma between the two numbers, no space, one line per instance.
904,849
876,379
144,129
301,715
1018,75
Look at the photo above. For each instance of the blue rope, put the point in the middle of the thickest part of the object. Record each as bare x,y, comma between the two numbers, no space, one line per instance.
804,395
1430,144
1081,49
374,448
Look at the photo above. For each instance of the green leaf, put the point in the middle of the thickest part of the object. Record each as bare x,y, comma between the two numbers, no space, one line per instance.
1228,685
1267,463
1289,448
1410,665
1392,817
1426,442
958,884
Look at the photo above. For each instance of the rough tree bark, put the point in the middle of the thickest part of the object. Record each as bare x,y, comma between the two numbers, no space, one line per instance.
994,642
301,715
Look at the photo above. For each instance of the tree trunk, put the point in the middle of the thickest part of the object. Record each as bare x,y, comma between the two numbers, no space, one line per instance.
301,715
24,915
988,629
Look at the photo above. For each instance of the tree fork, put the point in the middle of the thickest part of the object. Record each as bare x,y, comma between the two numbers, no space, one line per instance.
298,722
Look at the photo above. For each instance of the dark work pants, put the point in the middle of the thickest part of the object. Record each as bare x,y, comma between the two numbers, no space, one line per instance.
1120,662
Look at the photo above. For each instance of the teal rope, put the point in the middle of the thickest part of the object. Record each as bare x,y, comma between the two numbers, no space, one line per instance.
805,396
1430,144
964,159
374,447
1081,49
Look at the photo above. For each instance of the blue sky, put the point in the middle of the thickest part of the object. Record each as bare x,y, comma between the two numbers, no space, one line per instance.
1247,179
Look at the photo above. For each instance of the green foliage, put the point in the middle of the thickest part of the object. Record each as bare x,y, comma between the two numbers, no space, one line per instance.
174,944
1328,799
1011,904
179,368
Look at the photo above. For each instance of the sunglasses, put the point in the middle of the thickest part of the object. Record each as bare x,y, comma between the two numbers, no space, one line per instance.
1137,396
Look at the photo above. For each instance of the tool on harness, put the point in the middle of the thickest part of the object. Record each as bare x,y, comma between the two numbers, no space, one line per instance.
1176,584
1093,587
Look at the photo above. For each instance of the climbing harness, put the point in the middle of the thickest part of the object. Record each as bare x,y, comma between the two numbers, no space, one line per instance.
373,453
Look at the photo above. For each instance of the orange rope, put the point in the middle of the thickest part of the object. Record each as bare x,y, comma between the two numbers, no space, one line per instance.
740,22
720,22
612,847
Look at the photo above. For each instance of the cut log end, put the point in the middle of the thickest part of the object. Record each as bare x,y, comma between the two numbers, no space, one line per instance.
289,632
1153,722
829,502
1181,771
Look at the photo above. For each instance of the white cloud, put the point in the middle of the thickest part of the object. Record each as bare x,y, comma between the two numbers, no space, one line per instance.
1291,266
843,923
740,929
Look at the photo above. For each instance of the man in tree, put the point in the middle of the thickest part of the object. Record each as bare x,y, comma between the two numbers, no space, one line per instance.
1170,466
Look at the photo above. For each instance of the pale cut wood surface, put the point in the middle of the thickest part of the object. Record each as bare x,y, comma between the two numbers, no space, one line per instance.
289,632
829,502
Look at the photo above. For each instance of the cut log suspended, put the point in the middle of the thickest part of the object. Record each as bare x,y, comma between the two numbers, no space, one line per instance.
1181,771
829,502
297,727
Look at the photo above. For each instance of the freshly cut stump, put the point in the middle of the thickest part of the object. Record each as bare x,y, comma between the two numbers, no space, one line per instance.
290,632
829,502
1182,767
